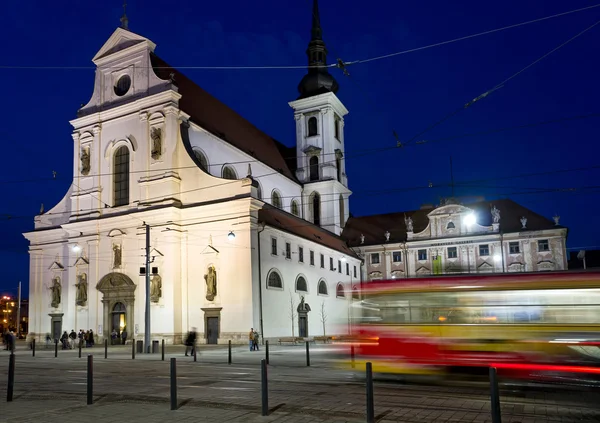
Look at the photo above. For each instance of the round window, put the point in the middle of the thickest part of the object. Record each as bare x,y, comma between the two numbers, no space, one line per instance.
123,85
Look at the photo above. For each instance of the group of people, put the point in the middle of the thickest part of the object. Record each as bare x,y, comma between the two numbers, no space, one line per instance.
253,340
8,340
69,340
115,337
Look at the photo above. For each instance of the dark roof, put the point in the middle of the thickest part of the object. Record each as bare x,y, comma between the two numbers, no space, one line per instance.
287,222
222,121
374,227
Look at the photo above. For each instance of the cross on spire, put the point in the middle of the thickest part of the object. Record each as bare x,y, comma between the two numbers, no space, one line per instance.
124,20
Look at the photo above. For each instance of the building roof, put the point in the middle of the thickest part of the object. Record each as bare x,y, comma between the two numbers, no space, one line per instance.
374,227
284,221
223,122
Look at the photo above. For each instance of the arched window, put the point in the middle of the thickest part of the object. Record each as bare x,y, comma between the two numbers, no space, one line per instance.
121,177
342,211
274,280
355,293
322,289
295,208
315,205
339,291
312,126
301,285
120,308
229,173
338,164
202,159
450,225
314,168
276,199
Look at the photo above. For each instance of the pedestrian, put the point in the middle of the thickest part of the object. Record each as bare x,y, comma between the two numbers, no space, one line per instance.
255,340
72,338
251,339
190,342
124,335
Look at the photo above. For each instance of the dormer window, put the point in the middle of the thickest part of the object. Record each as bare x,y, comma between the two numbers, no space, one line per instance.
450,225
312,126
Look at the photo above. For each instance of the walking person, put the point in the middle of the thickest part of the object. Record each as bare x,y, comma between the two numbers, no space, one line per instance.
255,339
190,342
251,339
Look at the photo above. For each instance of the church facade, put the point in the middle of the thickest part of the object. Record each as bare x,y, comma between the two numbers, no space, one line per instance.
239,235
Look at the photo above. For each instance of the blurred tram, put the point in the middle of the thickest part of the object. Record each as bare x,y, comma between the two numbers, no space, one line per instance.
542,326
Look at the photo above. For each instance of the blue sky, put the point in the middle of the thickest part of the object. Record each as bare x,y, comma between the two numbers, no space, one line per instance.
405,94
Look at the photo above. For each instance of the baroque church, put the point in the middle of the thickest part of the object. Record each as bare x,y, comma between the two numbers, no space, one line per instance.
240,236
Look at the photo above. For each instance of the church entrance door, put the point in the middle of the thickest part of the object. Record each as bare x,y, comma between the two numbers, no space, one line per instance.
212,333
119,317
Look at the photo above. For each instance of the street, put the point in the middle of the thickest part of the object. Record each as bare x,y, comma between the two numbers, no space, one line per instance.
51,389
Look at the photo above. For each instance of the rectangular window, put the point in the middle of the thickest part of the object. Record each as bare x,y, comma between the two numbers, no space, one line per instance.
121,177
484,250
543,245
375,258
337,124
452,252
322,261
339,266
513,247
422,254
288,250
301,254
331,263
312,257
348,269
354,271
397,256
274,246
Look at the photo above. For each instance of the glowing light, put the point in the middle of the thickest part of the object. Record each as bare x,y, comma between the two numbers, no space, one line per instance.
231,236
497,258
76,248
470,219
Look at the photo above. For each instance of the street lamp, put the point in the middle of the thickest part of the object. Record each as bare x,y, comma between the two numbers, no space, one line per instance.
231,236
470,219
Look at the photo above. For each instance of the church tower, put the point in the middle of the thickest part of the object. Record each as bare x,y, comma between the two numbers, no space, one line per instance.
319,116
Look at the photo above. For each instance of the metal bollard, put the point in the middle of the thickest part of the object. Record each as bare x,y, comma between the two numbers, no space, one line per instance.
106,348
495,396
195,346
264,388
229,353
163,350
33,348
80,344
370,402
11,378
173,384
133,348
267,351
352,356
55,348
307,355
90,379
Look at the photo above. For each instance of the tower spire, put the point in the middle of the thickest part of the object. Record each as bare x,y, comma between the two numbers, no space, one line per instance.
124,20
317,80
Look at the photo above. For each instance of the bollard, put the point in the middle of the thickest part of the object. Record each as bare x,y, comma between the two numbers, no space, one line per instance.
90,379
229,355
267,351
106,348
495,396
173,384
352,356
133,349
370,402
11,378
264,387
55,348
307,355
195,352
33,348
163,350
80,344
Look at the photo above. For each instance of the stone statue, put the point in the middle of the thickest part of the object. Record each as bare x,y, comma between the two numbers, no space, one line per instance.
524,222
362,239
117,256
82,288
85,161
211,283
495,214
303,307
387,235
156,135
409,224
56,291
155,288
556,219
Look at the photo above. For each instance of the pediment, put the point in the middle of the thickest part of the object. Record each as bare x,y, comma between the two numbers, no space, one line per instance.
485,265
312,150
115,281
116,232
423,270
120,40
450,209
56,266
82,261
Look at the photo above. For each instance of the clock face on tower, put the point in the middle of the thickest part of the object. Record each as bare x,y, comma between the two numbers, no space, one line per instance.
122,86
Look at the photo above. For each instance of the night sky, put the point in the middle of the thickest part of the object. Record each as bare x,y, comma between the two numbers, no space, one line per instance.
407,94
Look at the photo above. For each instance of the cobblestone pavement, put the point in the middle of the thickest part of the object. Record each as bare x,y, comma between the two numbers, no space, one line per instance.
53,389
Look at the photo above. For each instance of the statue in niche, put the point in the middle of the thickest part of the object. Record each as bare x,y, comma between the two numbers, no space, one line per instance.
155,288
211,283
524,222
495,214
82,289
85,161
56,291
409,224
303,307
116,256
156,136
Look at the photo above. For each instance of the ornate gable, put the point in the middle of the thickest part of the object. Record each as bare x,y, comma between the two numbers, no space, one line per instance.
115,281
120,40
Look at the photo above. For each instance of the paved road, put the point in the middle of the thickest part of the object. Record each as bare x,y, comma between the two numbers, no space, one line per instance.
54,389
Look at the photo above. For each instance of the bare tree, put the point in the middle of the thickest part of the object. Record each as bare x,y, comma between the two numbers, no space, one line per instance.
293,313
323,316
